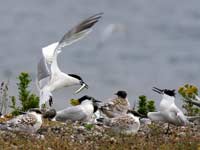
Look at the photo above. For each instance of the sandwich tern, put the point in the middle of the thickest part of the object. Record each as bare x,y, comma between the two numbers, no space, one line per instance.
29,122
124,123
49,76
82,112
116,106
169,112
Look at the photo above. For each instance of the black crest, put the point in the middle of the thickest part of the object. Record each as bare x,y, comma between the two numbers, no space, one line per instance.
85,97
75,76
164,91
170,92
121,94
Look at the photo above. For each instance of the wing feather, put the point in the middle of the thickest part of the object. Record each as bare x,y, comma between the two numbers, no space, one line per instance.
79,31
75,113
76,33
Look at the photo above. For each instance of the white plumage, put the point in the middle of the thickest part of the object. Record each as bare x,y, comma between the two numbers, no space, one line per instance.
52,78
82,112
168,112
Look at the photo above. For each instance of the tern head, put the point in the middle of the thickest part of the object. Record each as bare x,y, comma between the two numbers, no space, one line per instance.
81,82
92,99
86,97
121,94
165,91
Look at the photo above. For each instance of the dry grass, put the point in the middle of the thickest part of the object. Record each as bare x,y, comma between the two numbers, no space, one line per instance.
56,136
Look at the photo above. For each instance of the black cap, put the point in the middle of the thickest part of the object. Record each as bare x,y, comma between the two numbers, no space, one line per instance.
121,94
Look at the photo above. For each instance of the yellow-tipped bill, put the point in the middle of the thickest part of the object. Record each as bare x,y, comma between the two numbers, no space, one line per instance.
74,102
81,88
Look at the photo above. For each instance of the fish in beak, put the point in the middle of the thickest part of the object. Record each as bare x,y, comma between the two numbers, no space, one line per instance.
155,89
84,86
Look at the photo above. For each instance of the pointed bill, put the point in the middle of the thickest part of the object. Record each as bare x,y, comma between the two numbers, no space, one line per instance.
81,88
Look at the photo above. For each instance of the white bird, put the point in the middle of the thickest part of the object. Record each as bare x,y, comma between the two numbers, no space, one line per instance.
124,123
169,112
82,112
116,106
29,122
51,79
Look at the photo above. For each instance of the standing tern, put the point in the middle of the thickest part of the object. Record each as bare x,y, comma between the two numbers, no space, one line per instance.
50,77
116,106
29,122
83,112
169,112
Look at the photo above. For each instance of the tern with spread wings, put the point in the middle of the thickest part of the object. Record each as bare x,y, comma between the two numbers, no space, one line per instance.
50,77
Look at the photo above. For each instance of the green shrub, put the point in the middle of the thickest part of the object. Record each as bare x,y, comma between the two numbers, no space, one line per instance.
26,98
151,106
145,105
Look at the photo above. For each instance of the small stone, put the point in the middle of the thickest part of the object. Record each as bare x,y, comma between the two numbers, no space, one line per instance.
182,134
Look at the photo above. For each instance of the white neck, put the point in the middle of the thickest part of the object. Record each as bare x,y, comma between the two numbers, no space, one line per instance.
166,101
88,105
71,80
87,102
169,98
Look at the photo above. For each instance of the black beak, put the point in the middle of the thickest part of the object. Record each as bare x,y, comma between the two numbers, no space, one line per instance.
155,89
86,85
96,101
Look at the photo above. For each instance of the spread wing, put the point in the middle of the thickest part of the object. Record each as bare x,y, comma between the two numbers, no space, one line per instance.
76,33
43,73
80,31
75,113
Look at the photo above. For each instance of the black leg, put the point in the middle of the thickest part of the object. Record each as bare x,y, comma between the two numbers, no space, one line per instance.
50,101
167,129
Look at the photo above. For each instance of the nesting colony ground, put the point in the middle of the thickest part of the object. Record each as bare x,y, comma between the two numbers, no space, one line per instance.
57,136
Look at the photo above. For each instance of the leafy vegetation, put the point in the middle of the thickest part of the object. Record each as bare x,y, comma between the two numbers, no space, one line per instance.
145,105
28,100
188,93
